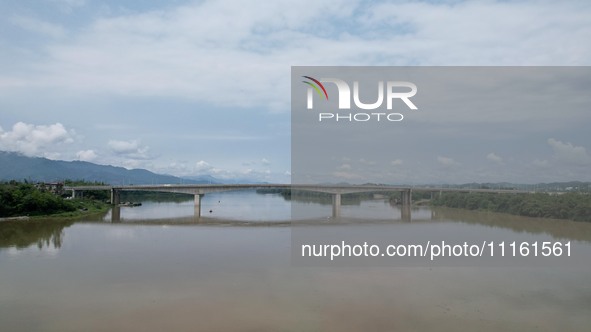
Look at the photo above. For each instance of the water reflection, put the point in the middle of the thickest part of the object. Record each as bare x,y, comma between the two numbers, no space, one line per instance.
248,207
162,269
251,209
558,229
231,205
251,206
39,233
125,277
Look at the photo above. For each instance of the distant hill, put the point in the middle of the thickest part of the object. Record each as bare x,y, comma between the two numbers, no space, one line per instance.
18,167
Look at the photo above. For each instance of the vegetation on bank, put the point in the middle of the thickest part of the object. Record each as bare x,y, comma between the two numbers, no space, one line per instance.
100,195
25,199
24,234
573,206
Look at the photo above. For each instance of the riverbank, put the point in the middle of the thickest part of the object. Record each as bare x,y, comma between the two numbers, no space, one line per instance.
569,206
83,209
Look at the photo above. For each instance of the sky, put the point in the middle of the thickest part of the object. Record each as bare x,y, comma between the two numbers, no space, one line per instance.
203,87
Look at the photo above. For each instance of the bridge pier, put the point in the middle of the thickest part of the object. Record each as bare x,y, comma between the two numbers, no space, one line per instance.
198,205
405,213
336,205
115,196
406,197
116,214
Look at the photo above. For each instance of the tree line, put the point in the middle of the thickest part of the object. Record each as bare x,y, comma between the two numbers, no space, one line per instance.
20,198
26,199
573,206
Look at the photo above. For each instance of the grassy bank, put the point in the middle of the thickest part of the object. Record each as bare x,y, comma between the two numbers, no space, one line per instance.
84,207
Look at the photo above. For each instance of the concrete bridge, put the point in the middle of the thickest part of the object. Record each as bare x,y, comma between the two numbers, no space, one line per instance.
199,190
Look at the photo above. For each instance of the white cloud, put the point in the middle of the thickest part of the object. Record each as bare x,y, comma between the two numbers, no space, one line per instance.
38,26
265,162
446,161
132,163
494,158
345,167
188,51
396,162
123,147
35,140
569,153
202,166
52,155
130,149
86,155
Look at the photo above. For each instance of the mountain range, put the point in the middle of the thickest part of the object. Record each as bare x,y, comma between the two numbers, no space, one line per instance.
14,166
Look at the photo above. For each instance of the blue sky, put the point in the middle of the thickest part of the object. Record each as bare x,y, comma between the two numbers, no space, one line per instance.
203,87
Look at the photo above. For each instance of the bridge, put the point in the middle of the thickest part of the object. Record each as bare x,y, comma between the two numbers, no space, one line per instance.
199,190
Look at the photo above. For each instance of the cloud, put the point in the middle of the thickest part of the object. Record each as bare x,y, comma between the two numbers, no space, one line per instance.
345,167
134,54
494,158
446,161
396,162
188,51
569,153
70,3
86,155
35,140
38,26
130,149
202,167
265,162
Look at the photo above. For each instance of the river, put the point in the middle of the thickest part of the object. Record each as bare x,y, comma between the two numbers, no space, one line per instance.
157,267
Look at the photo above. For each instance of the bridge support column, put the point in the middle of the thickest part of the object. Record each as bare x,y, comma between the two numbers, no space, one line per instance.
336,205
116,214
406,204
406,197
198,205
405,213
115,197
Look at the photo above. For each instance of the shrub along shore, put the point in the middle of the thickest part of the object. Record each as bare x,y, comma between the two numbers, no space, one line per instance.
18,199
572,206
